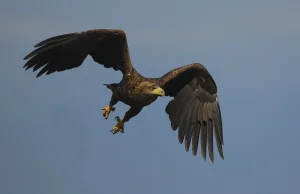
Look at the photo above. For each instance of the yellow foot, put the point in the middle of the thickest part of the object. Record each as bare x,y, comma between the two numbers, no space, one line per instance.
119,127
107,110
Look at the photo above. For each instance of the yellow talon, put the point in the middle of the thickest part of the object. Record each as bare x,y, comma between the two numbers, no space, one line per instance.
119,127
107,110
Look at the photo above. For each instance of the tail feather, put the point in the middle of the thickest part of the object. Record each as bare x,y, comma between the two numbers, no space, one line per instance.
112,87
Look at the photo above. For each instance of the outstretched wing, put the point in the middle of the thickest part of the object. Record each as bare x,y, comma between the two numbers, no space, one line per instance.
106,46
195,109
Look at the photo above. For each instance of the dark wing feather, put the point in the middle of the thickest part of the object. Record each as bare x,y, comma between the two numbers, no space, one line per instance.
106,46
195,108
189,126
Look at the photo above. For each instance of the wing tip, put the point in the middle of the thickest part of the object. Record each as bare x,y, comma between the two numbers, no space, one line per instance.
222,156
39,74
211,157
180,140
187,148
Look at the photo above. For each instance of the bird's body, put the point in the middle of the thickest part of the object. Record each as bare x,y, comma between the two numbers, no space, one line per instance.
195,109
126,90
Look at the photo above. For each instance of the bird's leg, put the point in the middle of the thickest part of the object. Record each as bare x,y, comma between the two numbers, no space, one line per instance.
106,110
133,111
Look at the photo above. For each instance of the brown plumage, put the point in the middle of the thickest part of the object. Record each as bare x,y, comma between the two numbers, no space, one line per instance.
194,110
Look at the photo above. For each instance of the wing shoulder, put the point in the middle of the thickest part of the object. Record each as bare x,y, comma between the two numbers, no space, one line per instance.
173,81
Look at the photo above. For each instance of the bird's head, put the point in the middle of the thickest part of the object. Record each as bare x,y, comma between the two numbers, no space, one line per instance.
149,88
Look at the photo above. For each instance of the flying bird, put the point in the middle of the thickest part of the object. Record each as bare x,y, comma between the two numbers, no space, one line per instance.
194,109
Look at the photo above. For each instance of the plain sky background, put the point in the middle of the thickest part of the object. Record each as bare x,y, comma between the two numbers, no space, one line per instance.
53,138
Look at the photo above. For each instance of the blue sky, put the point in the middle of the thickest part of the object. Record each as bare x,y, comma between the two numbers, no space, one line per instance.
53,138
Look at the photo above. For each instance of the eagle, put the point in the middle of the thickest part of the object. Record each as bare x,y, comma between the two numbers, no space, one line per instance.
194,109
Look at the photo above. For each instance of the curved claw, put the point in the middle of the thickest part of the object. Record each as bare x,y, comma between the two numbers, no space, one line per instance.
107,110
119,127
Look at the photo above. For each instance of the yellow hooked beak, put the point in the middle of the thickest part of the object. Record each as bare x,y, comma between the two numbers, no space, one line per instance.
158,91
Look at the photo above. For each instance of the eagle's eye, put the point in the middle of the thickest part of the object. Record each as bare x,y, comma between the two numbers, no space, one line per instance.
153,87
